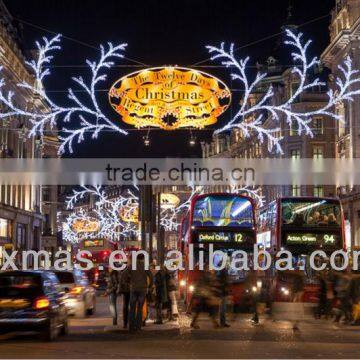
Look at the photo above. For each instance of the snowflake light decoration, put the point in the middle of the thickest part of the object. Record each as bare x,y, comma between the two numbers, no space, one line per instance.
86,114
107,211
169,217
250,118
70,235
253,192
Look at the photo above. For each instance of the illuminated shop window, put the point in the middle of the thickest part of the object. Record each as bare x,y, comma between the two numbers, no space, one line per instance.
318,126
293,129
295,154
318,152
296,190
4,227
319,191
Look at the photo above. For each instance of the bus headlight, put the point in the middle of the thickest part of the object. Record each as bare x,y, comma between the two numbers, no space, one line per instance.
191,288
182,283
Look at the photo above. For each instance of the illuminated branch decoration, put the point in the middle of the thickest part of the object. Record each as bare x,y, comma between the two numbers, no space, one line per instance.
250,118
87,115
86,190
70,235
108,212
169,217
253,192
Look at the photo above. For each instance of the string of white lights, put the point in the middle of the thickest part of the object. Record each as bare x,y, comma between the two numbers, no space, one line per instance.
250,117
87,115
113,215
253,192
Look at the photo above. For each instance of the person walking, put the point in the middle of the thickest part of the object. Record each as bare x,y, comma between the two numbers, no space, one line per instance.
322,303
171,288
124,290
251,283
297,291
161,294
223,282
140,280
205,298
112,291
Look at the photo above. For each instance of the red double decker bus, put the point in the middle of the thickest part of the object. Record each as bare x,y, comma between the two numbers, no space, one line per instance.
225,220
300,225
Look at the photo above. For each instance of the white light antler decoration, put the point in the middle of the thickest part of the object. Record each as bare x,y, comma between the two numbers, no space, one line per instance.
69,234
253,192
169,217
89,116
107,212
250,118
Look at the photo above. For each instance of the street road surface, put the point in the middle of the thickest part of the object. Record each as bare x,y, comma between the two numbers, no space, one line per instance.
95,337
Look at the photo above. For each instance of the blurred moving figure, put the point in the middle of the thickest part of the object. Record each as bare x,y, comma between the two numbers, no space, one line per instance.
161,293
323,305
354,294
342,289
205,298
124,290
254,287
112,291
223,283
140,281
171,288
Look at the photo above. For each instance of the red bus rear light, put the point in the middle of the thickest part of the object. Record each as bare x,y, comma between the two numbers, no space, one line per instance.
41,303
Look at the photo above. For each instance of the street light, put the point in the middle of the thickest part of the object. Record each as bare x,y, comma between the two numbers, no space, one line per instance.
146,140
192,141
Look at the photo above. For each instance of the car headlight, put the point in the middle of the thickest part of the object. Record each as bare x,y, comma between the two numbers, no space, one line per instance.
285,291
191,288
182,283
254,289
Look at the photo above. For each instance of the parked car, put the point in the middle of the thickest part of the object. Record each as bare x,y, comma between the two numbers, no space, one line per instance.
32,301
81,297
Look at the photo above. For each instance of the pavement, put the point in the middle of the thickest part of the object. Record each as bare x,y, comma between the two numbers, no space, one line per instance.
95,337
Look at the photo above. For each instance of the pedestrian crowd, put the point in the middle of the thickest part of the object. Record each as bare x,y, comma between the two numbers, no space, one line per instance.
145,294
152,294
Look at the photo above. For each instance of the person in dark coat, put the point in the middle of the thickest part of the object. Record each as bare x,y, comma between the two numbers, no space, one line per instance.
342,288
251,284
140,281
124,290
112,291
322,304
223,283
205,298
161,294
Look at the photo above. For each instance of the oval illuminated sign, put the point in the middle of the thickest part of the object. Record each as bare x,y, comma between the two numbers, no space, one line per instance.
169,201
130,213
85,226
169,98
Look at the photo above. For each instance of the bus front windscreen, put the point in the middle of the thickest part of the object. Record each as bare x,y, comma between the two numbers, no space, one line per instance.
223,210
314,213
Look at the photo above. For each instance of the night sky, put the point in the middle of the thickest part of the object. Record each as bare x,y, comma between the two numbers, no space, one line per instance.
165,32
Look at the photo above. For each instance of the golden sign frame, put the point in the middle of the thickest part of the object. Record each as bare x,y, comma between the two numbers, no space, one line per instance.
85,226
169,98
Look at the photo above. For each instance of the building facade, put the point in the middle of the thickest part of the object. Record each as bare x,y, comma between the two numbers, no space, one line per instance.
25,219
345,41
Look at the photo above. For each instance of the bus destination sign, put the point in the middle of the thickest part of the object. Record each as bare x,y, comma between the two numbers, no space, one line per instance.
311,239
221,237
